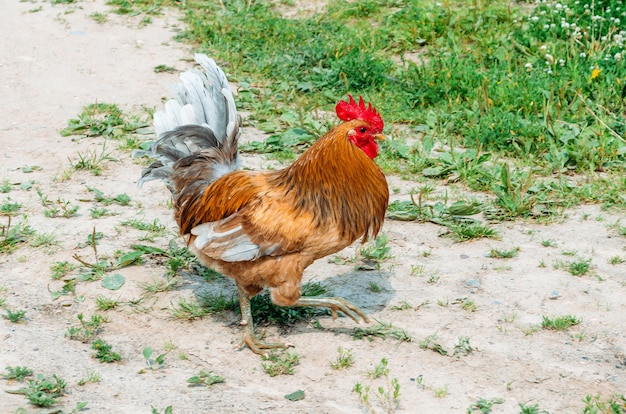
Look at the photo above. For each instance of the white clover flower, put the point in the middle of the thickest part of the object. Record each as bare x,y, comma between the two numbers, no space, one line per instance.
529,66
618,56
549,71
552,25
561,62
543,48
565,25
583,55
534,18
549,59
546,26
603,38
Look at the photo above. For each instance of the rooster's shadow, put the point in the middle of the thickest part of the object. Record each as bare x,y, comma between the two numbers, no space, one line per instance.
370,290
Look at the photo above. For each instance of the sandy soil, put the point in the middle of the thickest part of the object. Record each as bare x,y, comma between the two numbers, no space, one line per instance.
56,60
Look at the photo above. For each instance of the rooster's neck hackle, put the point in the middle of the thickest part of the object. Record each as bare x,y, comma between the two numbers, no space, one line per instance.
339,184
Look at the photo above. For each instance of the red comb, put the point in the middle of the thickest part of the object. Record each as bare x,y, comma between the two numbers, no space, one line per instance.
348,111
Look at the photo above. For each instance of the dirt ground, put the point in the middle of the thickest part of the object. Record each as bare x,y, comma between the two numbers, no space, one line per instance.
58,59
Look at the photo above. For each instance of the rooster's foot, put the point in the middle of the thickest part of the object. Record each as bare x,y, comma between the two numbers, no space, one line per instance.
259,347
335,304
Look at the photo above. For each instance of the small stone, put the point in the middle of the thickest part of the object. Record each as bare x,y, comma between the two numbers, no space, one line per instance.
475,283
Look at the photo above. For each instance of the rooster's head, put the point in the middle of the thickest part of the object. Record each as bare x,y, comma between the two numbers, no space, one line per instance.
365,135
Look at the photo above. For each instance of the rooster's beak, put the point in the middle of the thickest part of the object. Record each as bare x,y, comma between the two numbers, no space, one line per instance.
380,137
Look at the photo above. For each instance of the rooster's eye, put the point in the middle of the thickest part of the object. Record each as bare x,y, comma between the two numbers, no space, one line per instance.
362,130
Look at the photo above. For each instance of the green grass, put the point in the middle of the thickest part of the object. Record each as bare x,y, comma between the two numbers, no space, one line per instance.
206,378
102,119
344,359
559,323
265,311
12,234
282,363
381,330
17,373
15,316
104,352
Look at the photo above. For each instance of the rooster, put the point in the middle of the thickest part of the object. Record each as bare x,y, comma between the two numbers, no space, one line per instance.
263,228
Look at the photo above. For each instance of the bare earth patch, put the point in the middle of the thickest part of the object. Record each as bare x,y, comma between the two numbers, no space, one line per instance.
57,60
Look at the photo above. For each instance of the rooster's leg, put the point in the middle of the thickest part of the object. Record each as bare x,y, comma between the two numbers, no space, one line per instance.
335,304
249,337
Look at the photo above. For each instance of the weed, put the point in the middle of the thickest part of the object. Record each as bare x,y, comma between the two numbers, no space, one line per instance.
42,391
87,328
504,254
9,209
164,68
15,316
440,392
484,405
387,395
61,269
17,373
549,243
103,303
374,287
381,330
404,305
158,285
463,346
102,119
580,267
466,304
45,240
99,18
531,409
596,404
188,310
5,186
91,378
217,303
375,253
11,236
430,343
154,228
155,363
98,212
167,410
121,199
559,323
91,161
464,232
344,359
104,352
280,363
614,260
265,311
58,208
206,378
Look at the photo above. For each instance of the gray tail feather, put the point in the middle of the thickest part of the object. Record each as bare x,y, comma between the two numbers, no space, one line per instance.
201,119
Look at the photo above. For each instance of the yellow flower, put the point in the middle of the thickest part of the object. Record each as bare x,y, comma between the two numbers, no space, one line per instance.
595,72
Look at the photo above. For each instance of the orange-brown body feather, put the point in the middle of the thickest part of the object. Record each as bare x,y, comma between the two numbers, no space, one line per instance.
332,195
